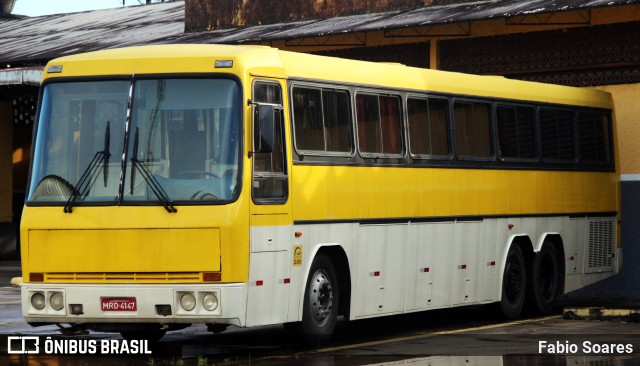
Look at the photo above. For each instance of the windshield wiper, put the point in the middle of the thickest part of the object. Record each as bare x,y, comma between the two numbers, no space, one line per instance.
87,177
156,188
106,154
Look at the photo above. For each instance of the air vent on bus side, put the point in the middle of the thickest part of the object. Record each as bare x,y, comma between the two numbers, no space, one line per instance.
601,246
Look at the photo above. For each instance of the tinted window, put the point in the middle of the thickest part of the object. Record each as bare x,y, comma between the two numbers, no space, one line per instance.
428,126
270,168
516,132
321,120
557,134
379,124
594,134
267,93
472,123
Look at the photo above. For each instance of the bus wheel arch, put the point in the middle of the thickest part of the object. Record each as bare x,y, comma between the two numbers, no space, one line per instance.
514,276
333,264
341,264
547,273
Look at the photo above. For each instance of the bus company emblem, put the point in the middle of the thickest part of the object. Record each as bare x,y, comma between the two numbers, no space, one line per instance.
297,255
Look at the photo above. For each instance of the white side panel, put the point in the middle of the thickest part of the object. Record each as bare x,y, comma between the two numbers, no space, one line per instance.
268,288
271,238
380,274
466,254
495,236
428,279
427,265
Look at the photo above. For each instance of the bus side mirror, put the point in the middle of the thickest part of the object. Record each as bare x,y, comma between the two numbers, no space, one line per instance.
263,128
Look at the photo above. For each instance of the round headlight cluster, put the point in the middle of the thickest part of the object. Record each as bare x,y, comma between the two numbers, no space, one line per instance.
55,298
210,301
56,301
188,301
37,301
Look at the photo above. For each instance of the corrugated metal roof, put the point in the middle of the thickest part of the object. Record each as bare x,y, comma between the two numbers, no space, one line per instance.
42,38
46,37
21,76
431,15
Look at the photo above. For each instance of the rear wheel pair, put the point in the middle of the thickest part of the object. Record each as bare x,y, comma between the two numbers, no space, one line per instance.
542,284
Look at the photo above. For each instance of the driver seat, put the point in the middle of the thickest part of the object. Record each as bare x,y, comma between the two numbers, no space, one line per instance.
187,149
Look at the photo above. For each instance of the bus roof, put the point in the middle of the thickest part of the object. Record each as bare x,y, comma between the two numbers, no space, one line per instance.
267,61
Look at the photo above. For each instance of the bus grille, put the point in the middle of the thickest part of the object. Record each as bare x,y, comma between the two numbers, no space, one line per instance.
117,277
601,241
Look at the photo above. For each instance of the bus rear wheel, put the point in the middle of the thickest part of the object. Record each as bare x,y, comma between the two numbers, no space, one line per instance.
545,278
514,283
321,299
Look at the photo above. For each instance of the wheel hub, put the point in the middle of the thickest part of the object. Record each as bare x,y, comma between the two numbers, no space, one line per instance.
321,299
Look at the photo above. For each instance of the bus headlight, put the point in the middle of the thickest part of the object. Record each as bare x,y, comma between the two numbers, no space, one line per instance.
37,300
210,301
56,301
188,301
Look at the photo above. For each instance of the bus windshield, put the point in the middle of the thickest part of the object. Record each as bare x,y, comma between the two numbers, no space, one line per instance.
176,136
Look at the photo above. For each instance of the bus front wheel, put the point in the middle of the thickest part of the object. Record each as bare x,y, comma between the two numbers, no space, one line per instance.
514,283
320,307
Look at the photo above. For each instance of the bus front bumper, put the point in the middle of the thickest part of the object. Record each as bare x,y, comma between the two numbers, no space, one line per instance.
149,303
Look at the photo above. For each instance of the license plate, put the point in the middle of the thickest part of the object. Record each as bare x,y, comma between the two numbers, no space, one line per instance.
119,304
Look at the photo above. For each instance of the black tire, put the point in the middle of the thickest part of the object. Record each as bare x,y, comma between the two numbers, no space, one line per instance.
545,278
514,283
321,301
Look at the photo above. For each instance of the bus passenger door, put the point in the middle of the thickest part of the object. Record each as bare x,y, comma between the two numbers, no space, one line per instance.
269,270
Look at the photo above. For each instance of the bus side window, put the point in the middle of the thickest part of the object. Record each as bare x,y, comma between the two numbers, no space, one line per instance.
379,124
516,132
428,135
594,135
472,126
557,134
321,121
269,168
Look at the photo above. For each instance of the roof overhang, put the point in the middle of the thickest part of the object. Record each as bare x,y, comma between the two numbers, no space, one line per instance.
21,76
396,22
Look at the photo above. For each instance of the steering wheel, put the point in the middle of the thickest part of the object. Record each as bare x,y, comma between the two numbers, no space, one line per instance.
204,196
52,187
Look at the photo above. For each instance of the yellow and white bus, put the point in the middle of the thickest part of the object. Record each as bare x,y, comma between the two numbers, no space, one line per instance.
243,185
